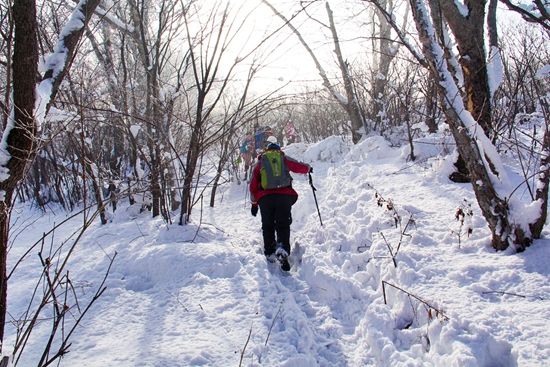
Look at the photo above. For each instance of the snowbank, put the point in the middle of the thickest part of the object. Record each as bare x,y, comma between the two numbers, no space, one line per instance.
391,279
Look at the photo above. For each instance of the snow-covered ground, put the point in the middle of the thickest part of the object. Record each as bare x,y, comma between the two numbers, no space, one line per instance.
203,294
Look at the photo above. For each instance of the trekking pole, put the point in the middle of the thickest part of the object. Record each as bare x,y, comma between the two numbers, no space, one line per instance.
315,197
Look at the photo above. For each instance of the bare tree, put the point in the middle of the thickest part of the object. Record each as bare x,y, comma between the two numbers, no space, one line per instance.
54,296
384,51
349,102
150,57
209,49
20,133
523,54
150,61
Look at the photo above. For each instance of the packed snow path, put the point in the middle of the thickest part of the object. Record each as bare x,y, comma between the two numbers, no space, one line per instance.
303,320
204,295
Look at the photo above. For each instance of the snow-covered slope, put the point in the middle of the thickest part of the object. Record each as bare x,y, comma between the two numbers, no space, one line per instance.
203,294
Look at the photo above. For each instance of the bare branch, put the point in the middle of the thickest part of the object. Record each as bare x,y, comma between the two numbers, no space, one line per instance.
543,19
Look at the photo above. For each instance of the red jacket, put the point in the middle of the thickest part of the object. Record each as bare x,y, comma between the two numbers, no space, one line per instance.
256,191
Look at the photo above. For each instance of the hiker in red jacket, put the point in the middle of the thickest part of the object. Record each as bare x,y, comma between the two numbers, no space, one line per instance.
271,190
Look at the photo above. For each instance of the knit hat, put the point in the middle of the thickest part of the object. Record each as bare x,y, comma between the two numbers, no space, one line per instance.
272,143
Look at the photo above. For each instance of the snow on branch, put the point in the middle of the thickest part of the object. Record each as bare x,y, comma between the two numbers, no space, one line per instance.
106,13
110,18
495,69
58,62
402,35
462,8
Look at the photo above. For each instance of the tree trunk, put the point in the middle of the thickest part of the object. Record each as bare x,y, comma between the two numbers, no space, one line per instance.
224,157
469,34
153,138
215,187
5,106
543,182
5,210
20,137
150,63
37,184
98,194
60,175
87,160
431,107
191,164
352,106
385,53
493,207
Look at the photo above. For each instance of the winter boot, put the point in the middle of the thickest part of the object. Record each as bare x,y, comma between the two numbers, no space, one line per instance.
271,258
269,252
282,256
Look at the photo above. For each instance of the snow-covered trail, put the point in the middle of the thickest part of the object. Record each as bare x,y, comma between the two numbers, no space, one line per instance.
346,261
204,295
297,324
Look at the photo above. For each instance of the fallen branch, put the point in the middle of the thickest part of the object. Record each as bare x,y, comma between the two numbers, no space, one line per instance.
513,294
430,306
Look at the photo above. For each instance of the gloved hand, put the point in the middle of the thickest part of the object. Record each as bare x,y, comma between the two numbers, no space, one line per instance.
310,169
254,210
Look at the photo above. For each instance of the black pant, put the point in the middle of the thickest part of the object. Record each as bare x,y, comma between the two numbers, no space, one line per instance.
276,218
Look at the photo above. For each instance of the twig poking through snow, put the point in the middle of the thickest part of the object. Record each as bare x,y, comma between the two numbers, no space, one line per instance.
245,344
273,323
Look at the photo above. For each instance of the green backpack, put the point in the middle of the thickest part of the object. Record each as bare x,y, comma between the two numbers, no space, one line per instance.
273,171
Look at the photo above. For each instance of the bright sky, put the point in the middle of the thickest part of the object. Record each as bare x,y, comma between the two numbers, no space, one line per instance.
285,59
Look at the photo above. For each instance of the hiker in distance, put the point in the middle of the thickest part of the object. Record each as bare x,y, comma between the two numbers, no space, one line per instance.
271,190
